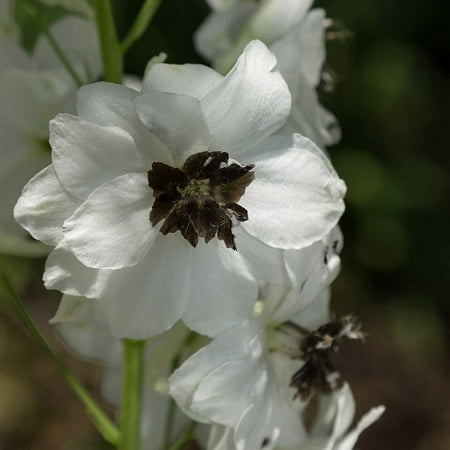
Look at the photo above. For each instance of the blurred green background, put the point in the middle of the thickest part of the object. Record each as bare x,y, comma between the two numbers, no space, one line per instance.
392,98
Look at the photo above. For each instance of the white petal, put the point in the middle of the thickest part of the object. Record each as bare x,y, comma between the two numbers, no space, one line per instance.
216,36
235,344
177,120
277,17
251,103
296,197
309,118
43,207
111,229
20,160
223,292
65,273
109,104
86,155
147,299
194,80
302,50
348,442
82,328
29,99
264,262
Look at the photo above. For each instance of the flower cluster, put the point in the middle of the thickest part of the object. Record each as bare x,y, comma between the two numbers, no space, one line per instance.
199,210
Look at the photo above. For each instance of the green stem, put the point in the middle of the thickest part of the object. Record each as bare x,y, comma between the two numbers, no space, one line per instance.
100,419
130,417
140,24
187,435
110,47
43,26
171,411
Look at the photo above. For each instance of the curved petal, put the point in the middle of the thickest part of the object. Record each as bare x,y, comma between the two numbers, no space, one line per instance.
86,155
84,330
349,441
65,273
147,299
265,263
111,229
109,104
177,120
240,346
277,17
29,99
302,51
194,80
296,197
216,36
223,293
309,118
43,207
251,103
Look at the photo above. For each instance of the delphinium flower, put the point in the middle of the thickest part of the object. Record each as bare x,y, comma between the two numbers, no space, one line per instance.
297,38
147,191
246,381
33,89
83,328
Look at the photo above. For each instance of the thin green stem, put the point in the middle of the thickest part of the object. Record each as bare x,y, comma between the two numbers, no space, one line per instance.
171,411
98,416
130,417
110,47
140,24
43,26
186,436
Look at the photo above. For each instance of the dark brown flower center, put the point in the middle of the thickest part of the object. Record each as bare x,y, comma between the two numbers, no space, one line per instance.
318,373
200,199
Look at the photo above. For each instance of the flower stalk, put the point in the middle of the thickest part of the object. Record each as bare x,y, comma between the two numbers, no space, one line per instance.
130,417
98,416
140,24
110,47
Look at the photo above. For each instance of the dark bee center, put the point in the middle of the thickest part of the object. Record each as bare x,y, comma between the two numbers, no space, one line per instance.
200,199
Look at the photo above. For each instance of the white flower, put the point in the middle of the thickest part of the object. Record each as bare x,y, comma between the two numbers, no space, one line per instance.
33,89
330,430
83,327
297,38
242,379
94,201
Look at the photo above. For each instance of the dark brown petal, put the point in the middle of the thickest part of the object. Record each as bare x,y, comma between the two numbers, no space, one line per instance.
201,165
188,231
237,211
170,225
161,208
232,191
205,219
224,232
161,177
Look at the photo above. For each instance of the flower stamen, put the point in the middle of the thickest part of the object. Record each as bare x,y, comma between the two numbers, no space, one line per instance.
200,199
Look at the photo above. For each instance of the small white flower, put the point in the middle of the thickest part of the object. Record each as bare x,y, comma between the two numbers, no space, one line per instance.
241,380
83,328
145,191
297,38
330,430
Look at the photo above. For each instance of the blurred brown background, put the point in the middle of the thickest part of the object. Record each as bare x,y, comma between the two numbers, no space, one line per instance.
392,99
